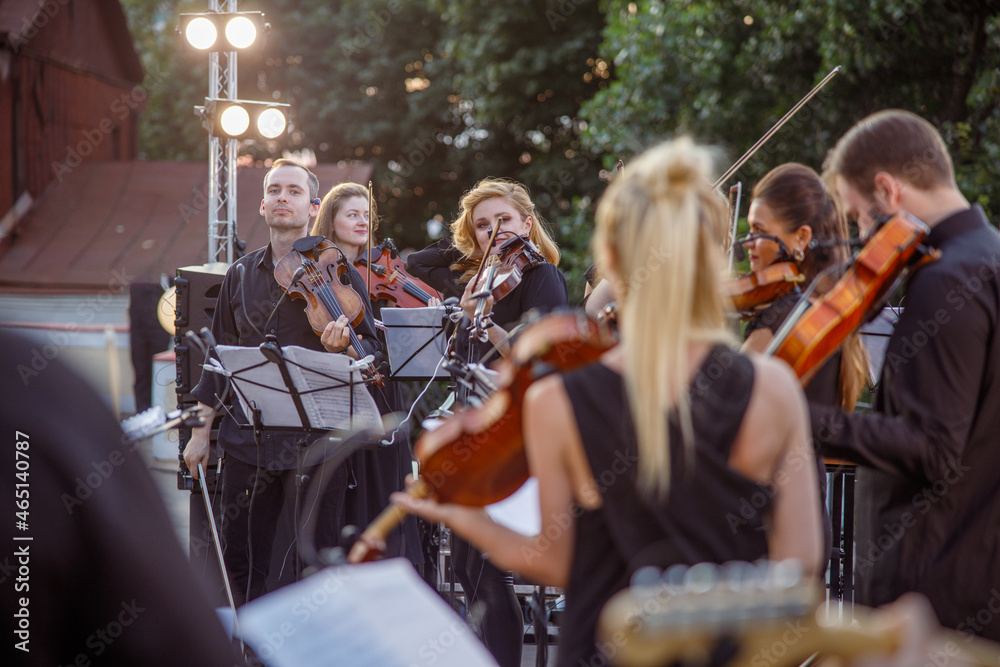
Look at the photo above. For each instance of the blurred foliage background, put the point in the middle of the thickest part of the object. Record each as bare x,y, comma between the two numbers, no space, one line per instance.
438,94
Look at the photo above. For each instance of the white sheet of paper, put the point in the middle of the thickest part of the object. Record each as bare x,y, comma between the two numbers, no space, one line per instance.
380,614
329,408
520,511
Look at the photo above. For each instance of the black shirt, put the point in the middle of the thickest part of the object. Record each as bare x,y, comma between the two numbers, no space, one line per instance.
712,512
542,288
823,388
242,316
433,266
933,442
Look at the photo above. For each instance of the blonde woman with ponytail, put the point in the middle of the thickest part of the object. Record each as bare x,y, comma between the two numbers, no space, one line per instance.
674,448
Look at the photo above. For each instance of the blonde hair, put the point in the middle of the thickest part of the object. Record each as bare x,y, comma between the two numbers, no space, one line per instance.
660,230
333,201
463,229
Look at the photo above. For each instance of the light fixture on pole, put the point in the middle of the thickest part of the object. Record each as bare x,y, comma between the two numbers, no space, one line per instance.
238,30
243,119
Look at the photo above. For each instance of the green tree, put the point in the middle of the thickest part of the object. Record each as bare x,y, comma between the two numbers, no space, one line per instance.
726,70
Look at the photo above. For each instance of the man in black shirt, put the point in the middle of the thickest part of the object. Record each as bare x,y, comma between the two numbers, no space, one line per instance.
929,501
256,477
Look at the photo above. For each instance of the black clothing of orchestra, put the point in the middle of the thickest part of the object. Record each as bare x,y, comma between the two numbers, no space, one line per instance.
101,576
384,469
702,520
244,307
543,288
929,453
823,388
433,266
249,306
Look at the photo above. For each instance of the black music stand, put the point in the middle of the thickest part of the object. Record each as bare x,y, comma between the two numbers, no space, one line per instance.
299,390
416,339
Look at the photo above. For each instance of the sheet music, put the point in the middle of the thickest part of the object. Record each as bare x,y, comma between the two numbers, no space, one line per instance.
521,511
329,408
380,614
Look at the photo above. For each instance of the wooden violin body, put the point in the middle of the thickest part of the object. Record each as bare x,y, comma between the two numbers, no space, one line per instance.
759,288
321,285
477,457
812,338
516,255
389,279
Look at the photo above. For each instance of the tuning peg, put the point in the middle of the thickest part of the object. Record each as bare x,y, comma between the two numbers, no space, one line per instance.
786,574
739,576
646,579
673,578
701,578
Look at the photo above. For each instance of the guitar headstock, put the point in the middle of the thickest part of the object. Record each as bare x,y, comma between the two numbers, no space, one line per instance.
683,612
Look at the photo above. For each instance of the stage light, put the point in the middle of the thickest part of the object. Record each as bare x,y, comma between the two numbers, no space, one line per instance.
271,123
235,118
201,33
241,30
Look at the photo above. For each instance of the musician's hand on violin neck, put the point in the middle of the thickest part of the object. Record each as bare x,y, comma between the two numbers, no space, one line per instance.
469,304
337,337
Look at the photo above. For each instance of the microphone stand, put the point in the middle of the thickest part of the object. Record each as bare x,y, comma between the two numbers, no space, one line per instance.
272,352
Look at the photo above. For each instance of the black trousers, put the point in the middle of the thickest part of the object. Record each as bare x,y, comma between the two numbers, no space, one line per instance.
253,499
493,590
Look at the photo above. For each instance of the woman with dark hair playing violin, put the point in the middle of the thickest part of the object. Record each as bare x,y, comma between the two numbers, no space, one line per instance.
344,218
793,217
450,267
646,457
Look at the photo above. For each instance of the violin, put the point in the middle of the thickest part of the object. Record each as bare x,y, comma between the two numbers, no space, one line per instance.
476,457
504,271
389,280
754,290
806,342
321,284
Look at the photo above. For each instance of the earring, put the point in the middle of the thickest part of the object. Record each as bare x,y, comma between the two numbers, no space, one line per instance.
798,255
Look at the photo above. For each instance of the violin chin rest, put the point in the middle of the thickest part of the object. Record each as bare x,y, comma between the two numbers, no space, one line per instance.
307,243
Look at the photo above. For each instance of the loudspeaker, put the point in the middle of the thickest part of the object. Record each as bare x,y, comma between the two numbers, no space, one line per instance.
197,293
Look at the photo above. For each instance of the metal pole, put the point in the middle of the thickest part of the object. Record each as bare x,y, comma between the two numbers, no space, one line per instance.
222,156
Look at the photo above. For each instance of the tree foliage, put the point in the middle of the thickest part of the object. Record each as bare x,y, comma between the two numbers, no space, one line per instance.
437,94
726,70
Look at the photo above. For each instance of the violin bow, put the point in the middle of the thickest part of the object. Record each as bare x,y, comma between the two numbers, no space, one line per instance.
777,126
734,209
371,222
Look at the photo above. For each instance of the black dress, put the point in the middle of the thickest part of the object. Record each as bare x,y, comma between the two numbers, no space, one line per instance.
823,389
704,518
542,288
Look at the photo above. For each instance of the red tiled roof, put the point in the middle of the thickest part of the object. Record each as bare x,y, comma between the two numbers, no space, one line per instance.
109,222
